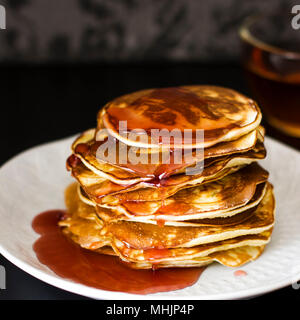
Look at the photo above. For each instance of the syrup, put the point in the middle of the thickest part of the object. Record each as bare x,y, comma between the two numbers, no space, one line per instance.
172,108
69,260
240,273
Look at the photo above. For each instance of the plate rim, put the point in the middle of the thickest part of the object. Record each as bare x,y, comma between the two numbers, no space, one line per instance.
90,292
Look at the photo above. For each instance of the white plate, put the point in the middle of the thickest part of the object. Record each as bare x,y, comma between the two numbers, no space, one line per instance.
34,181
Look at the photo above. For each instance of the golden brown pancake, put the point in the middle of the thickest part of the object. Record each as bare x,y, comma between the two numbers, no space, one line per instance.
231,258
182,254
113,215
102,190
89,234
215,199
162,214
226,197
85,147
223,114
239,215
236,256
146,236
229,217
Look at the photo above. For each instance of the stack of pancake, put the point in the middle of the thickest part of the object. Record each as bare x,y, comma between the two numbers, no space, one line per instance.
216,205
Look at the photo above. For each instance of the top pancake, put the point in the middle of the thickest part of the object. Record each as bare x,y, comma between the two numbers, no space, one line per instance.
223,114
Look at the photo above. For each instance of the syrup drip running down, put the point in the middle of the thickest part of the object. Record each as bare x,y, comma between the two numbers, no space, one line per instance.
68,260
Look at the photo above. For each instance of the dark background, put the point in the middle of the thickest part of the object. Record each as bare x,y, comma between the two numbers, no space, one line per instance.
41,31
50,88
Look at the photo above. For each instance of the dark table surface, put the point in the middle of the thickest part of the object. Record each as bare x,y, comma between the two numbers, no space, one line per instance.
44,103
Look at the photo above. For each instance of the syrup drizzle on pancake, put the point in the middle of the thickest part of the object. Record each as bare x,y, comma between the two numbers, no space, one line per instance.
218,111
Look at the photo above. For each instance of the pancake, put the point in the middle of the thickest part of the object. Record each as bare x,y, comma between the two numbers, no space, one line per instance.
89,234
215,199
245,212
144,236
238,255
222,113
157,201
185,220
147,236
231,258
226,197
102,190
105,170
85,147
183,254
230,217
